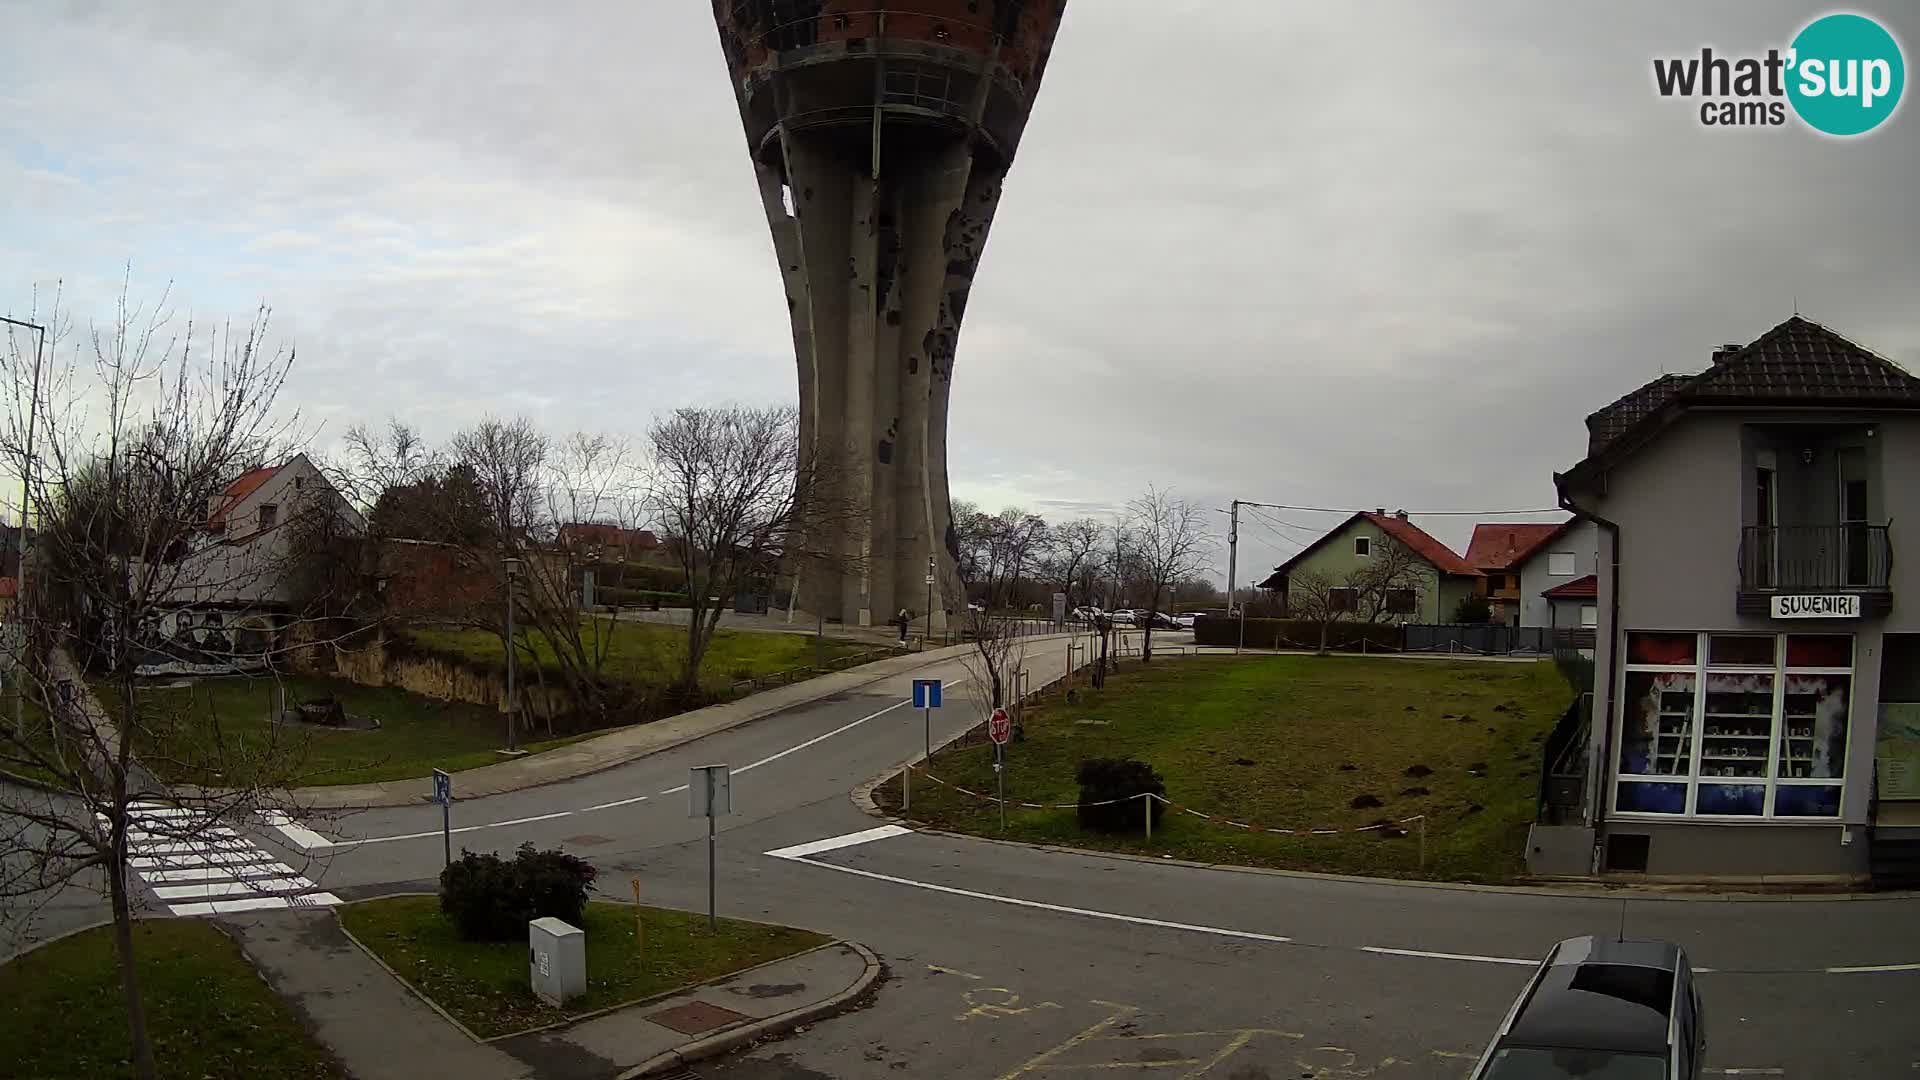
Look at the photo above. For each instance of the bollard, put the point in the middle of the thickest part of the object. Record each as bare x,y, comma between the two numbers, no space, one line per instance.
1146,802
1423,841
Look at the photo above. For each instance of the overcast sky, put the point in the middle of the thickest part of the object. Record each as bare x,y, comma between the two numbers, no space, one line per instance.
1346,255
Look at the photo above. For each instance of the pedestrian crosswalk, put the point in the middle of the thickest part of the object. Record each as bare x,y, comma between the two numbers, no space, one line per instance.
195,867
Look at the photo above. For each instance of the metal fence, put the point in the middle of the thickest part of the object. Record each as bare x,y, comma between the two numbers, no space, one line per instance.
1478,638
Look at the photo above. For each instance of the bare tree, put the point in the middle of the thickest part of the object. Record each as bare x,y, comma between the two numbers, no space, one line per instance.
1169,541
1388,587
722,486
1072,555
999,650
135,442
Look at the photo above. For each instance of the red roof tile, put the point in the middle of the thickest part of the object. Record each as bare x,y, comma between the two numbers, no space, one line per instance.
1422,543
248,483
1499,545
1586,588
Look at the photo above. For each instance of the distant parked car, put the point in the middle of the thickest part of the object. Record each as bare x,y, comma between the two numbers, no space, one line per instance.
1160,620
1185,620
1123,617
1602,1009
1086,614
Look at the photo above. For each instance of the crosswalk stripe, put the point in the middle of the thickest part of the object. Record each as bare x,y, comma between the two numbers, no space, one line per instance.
256,903
216,858
217,873
208,890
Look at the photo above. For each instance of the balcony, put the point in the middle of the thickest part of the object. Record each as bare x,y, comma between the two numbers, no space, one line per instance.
1854,559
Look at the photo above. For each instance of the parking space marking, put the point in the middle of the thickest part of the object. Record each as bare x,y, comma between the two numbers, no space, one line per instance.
1120,1012
1471,957
835,843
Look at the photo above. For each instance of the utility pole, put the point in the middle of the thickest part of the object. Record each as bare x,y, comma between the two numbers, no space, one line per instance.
1233,560
513,648
929,635
26,498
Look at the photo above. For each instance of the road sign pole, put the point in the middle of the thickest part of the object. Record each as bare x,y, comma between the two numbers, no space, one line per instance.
906,788
446,830
1146,806
443,794
713,918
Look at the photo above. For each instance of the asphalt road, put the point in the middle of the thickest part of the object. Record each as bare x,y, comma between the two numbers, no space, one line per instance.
1007,961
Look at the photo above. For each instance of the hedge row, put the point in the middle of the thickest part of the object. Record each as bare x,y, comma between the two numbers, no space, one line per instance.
639,576
1295,634
617,596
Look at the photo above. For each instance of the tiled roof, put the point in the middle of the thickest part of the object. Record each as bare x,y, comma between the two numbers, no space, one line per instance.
1421,543
247,484
1586,588
1613,421
9,588
1499,545
1798,362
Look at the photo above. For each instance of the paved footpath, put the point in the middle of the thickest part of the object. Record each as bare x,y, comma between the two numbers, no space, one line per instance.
380,1030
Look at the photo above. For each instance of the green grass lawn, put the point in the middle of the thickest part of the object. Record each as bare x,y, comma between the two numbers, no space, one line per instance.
209,1012
651,654
219,732
25,760
1287,742
484,984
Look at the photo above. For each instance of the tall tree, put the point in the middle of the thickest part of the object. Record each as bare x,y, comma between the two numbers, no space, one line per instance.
1169,541
123,489
1072,555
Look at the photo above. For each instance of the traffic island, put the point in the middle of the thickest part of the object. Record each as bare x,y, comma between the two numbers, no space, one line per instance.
1326,764
634,955
208,1012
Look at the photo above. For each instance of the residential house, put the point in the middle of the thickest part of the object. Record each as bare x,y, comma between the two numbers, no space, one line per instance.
227,598
1442,578
597,542
1758,630
1558,578
1497,550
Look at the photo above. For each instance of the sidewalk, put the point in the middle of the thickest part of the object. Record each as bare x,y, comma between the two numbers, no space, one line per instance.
380,1030
627,744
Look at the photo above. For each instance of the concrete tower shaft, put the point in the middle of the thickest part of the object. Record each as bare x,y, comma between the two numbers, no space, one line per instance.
881,134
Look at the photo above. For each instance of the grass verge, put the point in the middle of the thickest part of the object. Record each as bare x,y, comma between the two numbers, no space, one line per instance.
1286,742
220,732
651,654
484,984
209,1012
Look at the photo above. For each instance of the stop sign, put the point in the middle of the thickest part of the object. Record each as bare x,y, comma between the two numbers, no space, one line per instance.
999,727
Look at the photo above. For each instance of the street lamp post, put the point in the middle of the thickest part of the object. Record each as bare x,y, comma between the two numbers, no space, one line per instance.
513,728
26,496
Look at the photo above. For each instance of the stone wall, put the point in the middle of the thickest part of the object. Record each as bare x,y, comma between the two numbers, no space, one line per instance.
374,663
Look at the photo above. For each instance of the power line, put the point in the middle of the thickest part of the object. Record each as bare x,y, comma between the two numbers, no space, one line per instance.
1410,513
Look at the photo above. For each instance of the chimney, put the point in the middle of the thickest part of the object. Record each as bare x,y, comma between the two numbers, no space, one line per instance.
1380,511
1401,514
1725,352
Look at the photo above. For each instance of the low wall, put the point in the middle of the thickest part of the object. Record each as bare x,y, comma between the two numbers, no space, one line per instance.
378,663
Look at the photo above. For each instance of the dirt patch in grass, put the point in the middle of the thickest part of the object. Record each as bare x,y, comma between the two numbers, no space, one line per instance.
1328,736
484,984
209,1012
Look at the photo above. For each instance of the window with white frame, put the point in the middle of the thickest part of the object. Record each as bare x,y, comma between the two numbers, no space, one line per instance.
1589,615
1560,564
1731,726
1362,546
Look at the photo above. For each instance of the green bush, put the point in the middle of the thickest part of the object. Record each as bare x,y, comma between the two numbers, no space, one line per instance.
622,596
1296,634
1473,609
490,899
1103,780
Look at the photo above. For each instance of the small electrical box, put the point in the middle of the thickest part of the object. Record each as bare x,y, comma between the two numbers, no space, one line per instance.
556,960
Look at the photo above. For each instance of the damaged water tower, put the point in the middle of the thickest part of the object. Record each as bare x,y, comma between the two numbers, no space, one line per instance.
881,134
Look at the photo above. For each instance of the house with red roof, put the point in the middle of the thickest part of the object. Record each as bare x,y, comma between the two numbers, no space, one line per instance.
1357,548
1522,560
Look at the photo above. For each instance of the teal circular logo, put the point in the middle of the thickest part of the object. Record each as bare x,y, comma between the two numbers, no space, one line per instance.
1846,74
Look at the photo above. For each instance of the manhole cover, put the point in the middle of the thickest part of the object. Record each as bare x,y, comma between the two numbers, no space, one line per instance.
695,1017
587,840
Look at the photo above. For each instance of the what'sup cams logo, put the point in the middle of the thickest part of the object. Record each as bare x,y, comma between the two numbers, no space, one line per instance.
1842,75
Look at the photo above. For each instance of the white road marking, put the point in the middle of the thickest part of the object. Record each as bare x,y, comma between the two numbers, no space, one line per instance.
257,903
1450,956
675,790
1747,1072
834,843
1872,967
616,802
301,836
219,858
218,873
1217,931
208,890
336,845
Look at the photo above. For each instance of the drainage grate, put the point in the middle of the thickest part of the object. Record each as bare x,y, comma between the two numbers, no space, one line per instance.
696,1017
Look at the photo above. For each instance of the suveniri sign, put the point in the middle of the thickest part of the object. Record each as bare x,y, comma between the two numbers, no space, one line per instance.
1816,607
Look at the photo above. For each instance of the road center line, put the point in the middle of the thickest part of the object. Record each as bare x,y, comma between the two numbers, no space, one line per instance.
1137,920
1450,956
340,844
835,843
616,802
1871,968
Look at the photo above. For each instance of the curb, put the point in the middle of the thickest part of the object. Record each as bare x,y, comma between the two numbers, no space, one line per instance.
401,979
720,1043
61,936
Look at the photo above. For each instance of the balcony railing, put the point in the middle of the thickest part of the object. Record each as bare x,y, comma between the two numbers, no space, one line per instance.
1810,558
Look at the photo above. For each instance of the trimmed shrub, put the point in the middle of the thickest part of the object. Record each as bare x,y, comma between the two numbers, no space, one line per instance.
490,899
1473,609
1297,634
1105,779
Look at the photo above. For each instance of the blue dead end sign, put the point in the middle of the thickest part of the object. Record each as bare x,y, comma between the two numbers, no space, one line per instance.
926,693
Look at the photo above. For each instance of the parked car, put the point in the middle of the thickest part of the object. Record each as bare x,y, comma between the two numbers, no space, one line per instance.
1603,1009
1185,620
1122,617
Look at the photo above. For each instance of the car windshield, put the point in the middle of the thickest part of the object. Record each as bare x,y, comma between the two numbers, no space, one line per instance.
1533,1063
